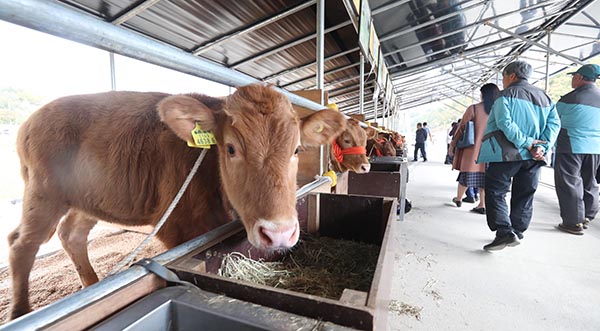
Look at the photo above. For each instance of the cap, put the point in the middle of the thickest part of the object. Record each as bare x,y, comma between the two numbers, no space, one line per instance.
590,71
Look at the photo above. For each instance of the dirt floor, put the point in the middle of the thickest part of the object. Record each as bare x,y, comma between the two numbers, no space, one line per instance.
53,276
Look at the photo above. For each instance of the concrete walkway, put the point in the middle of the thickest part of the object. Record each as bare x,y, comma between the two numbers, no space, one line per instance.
444,280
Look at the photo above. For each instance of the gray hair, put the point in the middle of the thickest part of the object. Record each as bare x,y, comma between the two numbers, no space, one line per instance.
522,69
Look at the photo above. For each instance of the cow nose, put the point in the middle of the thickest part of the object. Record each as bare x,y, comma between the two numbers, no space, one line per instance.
278,237
364,168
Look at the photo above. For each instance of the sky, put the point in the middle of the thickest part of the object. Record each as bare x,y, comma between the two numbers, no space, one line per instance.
52,67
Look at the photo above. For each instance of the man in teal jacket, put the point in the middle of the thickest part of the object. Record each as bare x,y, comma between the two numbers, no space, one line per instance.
522,126
578,151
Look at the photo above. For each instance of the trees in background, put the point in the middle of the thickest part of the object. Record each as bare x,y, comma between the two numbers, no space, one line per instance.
17,104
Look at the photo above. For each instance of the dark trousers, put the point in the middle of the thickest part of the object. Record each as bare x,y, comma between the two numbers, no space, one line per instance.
576,186
498,176
420,146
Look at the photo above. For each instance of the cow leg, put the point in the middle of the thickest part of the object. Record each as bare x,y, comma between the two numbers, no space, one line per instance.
73,233
38,223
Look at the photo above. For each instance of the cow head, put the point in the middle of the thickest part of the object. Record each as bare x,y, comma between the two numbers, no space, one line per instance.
348,151
258,135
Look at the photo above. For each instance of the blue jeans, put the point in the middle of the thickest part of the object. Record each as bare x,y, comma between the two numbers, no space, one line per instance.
472,192
498,175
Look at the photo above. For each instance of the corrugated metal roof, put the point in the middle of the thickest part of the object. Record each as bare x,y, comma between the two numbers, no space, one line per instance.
434,49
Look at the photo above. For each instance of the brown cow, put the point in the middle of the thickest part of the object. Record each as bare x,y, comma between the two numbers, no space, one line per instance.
122,157
381,146
348,150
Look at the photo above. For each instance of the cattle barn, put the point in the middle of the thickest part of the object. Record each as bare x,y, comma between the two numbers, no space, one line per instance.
310,141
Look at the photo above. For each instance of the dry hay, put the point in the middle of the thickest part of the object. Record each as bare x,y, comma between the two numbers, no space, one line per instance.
402,308
319,266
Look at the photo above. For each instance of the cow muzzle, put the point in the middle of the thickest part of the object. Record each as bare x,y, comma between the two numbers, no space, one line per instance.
364,168
275,235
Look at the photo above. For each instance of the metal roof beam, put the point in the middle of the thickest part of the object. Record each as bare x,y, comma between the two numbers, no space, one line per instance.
122,18
484,8
531,42
310,64
451,97
431,22
415,103
343,80
386,7
349,90
426,81
58,19
240,32
459,93
480,63
332,71
347,87
429,65
581,25
554,33
288,45
407,90
477,23
474,50
425,93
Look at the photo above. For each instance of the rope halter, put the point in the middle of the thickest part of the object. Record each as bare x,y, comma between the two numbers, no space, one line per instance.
339,152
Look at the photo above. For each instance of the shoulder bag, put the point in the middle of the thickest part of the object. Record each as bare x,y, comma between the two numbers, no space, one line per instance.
468,137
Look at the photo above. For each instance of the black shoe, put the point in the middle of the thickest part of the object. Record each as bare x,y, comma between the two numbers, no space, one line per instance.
501,242
519,235
468,200
457,202
424,160
576,229
586,223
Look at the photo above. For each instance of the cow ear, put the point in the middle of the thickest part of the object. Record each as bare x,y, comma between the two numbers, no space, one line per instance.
371,133
322,127
181,112
353,122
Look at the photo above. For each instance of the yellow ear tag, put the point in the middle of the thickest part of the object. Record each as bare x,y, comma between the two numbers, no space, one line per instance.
320,128
202,138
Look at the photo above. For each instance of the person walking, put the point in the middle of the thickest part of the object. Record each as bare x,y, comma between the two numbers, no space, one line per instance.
421,137
522,126
577,157
449,134
472,174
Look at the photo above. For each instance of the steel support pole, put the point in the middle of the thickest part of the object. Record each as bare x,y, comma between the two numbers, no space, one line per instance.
320,68
57,19
547,65
361,94
375,101
113,78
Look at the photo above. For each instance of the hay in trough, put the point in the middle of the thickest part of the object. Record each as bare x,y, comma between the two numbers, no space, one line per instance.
319,266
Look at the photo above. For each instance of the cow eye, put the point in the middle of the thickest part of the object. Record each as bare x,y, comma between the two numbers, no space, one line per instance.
347,141
230,150
296,151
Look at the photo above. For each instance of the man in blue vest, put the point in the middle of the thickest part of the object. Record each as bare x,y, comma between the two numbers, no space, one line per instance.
578,151
522,126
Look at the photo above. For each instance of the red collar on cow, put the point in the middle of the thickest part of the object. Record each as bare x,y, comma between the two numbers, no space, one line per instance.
339,152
